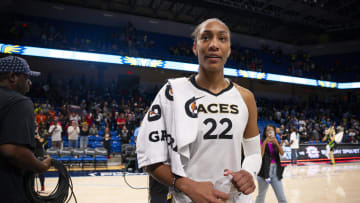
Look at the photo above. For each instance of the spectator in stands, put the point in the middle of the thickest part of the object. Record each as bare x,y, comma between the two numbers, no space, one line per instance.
284,136
64,121
121,121
124,135
84,135
74,117
107,141
46,106
352,134
93,131
304,136
114,120
315,135
55,131
40,117
43,131
52,112
294,145
89,118
277,115
131,121
73,134
271,171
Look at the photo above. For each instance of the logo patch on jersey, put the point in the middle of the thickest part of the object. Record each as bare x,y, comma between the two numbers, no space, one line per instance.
191,108
169,93
155,113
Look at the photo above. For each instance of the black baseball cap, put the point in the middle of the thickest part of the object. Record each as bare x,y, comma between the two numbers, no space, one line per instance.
16,64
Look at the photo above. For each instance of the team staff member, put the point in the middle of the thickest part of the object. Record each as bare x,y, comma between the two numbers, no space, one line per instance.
222,116
17,127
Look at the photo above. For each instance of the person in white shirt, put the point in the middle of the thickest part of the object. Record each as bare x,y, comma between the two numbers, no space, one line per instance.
74,117
294,145
55,131
73,134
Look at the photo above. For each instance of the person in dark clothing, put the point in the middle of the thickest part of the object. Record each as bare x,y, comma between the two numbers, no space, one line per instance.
158,191
17,127
271,170
39,153
107,141
124,135
84,135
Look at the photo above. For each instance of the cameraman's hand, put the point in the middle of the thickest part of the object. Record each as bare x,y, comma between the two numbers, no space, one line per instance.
47,163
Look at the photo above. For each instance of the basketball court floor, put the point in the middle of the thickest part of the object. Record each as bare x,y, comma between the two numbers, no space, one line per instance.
303,184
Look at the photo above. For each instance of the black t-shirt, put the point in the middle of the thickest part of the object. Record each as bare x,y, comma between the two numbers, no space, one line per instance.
39,148
84,132
17,126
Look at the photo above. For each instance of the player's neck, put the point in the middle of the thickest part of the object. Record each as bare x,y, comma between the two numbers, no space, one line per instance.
214,82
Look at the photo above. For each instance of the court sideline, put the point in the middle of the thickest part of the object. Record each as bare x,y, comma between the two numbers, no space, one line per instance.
302,184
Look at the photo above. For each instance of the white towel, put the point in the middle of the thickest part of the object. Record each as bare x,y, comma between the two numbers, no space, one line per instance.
151,145
186,127
168,114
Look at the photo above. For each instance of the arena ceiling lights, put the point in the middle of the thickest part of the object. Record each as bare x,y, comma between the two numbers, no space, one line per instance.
171,65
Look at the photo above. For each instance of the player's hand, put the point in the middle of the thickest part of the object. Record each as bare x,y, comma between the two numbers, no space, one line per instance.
204,192
242,180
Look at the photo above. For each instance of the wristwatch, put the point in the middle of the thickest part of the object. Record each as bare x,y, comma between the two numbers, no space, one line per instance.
173,188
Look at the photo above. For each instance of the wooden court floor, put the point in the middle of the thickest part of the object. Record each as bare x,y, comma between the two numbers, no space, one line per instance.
303,184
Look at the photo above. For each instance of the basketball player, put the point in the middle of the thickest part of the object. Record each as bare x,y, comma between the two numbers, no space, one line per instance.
330,138
17,128
225,116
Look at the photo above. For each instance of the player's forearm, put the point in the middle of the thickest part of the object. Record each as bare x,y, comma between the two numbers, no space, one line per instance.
22,157
162,173
253,158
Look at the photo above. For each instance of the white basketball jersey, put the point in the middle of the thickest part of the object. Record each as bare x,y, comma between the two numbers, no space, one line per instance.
222,119
220,122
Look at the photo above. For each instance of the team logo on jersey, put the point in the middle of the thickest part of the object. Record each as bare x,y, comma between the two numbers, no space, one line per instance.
154,113
191,108
169,93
